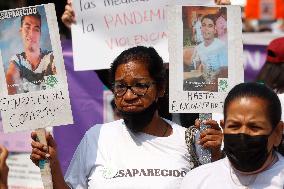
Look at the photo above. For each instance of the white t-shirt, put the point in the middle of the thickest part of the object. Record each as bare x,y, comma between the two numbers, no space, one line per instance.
212,57
220,175
214,54
110,156
32,80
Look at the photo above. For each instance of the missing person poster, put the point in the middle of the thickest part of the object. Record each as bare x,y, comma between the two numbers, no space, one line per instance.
205,47
34,91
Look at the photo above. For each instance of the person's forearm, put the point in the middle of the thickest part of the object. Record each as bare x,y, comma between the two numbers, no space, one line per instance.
57,176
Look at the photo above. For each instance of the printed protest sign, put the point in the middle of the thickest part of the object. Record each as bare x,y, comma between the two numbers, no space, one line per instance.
104,29
109,113
34,91
205,47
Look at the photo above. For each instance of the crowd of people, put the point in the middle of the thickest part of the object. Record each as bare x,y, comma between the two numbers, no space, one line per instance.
145,150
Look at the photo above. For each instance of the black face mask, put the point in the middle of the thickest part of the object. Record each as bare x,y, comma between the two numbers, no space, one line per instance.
137,121
246,153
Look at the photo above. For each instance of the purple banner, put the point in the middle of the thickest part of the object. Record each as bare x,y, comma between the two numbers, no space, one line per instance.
86,96
254,59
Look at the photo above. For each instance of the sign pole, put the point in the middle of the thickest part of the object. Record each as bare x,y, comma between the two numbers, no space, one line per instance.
44,165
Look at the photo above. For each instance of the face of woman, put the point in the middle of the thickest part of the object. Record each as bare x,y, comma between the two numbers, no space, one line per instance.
248,135
248,115
135,73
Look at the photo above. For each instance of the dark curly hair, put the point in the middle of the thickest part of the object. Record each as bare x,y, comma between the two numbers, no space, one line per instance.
147,55
210,17
37,16
272,75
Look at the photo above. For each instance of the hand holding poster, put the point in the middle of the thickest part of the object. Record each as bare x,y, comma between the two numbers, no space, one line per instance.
34,91
206,56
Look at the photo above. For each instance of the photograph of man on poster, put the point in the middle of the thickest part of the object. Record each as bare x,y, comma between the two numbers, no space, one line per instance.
27,69
206,62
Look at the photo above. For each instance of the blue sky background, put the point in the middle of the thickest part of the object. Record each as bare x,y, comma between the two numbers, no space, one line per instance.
10,38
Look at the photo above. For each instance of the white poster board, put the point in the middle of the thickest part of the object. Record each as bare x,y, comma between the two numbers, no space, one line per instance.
34,91
108,112
205,62
104,29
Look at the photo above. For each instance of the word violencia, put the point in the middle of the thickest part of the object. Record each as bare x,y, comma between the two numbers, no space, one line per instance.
139,39
17,12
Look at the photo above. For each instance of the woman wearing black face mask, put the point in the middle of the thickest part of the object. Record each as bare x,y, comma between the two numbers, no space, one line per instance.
142,150
252,131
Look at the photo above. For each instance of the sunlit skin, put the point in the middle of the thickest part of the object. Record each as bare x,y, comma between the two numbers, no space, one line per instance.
248,115
208,30
30,32
129,74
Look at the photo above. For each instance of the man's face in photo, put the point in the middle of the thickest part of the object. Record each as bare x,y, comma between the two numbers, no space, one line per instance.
208,29
30,32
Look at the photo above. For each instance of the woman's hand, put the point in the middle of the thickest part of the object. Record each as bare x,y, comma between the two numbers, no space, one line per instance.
3,168
43,152
211,138
49,152
68,16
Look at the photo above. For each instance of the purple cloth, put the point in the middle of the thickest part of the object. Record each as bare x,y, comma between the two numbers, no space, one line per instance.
254,59
86,96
